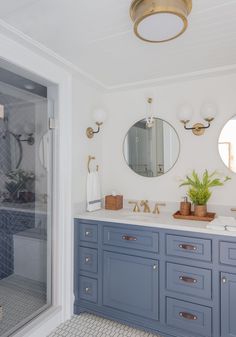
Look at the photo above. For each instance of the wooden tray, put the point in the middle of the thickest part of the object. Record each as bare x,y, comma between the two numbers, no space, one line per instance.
208,217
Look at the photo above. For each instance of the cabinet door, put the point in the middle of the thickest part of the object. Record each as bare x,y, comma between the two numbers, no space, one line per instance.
130,284
228,305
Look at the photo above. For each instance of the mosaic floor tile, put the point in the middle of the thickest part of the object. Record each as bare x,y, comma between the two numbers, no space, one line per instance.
19,298
87,325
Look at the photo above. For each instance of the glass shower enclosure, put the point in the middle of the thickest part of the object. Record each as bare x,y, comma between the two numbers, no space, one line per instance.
25,207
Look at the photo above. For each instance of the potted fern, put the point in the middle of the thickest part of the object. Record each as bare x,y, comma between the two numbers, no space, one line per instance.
199,190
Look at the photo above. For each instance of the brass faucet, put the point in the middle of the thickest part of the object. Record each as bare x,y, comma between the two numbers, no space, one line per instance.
136,207
156,208
233,209
144,203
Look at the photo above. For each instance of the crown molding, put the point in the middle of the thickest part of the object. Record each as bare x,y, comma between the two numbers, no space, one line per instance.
38,47
214,72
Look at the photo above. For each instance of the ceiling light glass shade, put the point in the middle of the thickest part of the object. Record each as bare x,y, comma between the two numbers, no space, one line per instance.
160,20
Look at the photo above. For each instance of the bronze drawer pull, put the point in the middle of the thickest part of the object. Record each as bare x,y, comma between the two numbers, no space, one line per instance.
187,279
129,238
188,316
187,247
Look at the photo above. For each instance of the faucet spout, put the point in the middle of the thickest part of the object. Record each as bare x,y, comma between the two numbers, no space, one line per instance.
144,204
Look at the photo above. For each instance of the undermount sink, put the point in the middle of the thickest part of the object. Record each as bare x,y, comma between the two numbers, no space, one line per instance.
142,216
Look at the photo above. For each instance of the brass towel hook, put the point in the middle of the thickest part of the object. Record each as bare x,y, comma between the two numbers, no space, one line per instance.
89,160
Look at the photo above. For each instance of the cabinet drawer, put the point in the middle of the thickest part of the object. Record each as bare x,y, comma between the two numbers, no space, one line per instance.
88,232
88,259
188,316
88,289
135,239
228,253
189,280
192,248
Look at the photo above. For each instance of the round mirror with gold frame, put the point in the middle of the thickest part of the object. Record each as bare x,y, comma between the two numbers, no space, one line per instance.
151,149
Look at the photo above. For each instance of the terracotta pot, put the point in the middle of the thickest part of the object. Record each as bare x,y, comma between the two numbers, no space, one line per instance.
200,210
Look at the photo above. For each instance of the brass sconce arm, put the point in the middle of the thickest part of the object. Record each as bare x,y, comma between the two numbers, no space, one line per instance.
208,113
90,131
99,117
198,129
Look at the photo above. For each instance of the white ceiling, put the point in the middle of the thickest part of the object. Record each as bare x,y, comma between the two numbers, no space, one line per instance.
96,36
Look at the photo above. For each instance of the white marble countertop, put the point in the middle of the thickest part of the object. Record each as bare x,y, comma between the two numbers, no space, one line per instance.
164,220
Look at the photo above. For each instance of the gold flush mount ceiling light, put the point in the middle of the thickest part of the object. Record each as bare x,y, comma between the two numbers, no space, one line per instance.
160,20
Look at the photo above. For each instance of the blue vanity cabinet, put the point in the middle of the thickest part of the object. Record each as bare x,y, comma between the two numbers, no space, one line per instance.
172,282
131,284
228,305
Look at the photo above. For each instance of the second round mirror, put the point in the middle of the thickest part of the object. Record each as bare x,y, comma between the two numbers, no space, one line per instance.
227,144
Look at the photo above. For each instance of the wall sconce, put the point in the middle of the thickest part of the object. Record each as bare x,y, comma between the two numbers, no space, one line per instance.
208,113
99,117
24,133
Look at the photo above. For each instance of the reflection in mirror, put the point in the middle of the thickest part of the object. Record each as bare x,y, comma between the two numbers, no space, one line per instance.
151,151
227,144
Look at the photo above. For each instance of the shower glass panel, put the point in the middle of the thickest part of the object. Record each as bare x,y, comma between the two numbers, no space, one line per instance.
25,207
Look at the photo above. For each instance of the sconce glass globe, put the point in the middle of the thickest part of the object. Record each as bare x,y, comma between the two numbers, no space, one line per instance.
29,128
185,113
208,111
99,116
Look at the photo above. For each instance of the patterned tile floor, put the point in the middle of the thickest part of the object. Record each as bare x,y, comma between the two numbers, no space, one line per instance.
19,298
87,325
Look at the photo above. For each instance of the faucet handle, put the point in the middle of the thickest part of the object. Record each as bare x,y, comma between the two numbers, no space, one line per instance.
156,208
136,207
233,209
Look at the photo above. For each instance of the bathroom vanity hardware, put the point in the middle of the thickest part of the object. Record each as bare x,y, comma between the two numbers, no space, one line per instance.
224,279
187,247
146,208
187,279
156,208
175,283
129,238
136,206
188,316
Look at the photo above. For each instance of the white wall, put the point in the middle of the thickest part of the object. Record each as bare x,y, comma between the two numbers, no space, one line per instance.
84,99
199,153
